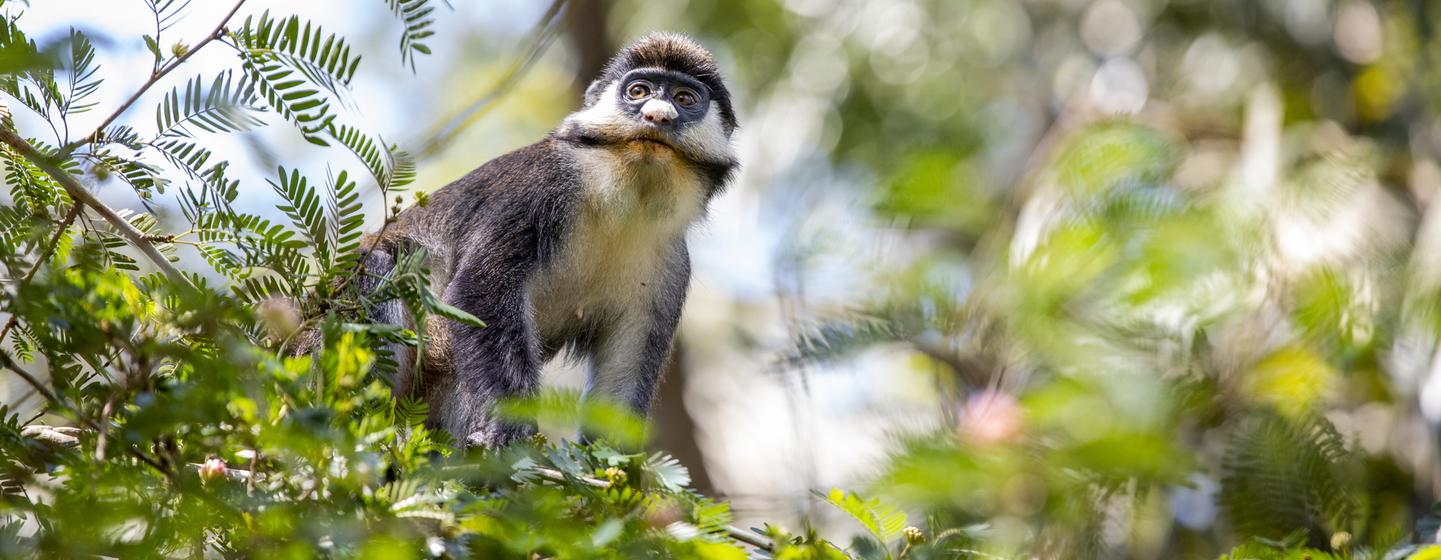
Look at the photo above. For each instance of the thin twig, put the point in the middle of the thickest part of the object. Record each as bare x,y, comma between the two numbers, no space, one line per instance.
7,363
75,208
80,195
544,33
217,33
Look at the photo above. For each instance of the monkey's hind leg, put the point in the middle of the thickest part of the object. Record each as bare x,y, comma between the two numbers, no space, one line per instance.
378,263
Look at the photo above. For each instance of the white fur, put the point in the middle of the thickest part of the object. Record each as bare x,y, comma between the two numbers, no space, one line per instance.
703,141
640,198
659,109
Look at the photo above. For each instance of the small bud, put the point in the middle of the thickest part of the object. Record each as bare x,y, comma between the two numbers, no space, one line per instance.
280,317
399,199
102,172
539,439
179,49
422,198
914,535
213,468
1340,540
615,475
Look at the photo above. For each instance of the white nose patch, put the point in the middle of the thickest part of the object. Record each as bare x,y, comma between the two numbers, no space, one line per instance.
658,111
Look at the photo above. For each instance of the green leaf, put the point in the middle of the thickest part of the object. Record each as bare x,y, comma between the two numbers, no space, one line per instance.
154,48
228,105
347,223
392,167
292,63
417,16
668,471
81,70
884,521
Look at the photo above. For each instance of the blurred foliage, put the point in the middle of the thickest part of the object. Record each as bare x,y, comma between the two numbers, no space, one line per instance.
1171,262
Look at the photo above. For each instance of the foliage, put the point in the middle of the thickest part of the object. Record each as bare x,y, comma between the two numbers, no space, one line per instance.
188,422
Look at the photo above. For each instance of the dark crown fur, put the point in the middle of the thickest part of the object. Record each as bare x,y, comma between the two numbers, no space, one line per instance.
675,52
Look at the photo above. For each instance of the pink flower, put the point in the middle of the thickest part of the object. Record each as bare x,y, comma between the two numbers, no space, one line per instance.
989,418
213,468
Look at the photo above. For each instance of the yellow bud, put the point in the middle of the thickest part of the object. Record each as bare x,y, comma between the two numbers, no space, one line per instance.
179,49
914,535
1340,540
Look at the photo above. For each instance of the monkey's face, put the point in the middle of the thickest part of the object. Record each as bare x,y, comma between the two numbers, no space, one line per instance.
654,110
663,99
662,95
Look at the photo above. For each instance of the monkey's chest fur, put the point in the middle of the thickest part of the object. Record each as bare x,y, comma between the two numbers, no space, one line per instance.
637,202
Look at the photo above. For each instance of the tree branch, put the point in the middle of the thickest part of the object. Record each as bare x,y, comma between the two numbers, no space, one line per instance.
217,33
732,531
544,33
7,363
80,195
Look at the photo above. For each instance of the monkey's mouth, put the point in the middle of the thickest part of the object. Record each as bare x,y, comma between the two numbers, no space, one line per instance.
653,142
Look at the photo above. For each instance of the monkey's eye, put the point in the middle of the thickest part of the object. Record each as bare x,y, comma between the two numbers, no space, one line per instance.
638,90
687,98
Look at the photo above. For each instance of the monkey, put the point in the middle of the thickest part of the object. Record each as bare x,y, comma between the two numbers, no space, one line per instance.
574,243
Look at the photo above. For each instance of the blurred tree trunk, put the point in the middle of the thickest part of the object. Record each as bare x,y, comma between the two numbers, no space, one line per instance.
673,425
590,43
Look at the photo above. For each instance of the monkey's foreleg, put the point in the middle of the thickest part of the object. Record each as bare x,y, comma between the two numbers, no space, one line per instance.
631,355
494,363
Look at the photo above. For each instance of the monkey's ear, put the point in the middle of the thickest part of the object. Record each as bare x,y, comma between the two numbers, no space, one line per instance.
593,92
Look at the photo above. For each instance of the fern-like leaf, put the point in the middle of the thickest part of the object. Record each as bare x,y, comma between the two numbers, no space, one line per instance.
292,63
392,167
302,206
31,190
1283,475
81,70
417,16
228,105
144,178
348,220
884,521
667,471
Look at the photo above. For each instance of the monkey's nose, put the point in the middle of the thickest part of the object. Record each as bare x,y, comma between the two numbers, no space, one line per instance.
660,112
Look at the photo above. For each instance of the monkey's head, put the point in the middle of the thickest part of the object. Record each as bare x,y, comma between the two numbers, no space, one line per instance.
664,89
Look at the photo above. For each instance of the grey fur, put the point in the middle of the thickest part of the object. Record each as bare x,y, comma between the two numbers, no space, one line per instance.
575,242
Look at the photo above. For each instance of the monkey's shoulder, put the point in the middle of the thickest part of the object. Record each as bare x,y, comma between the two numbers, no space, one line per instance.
534,182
